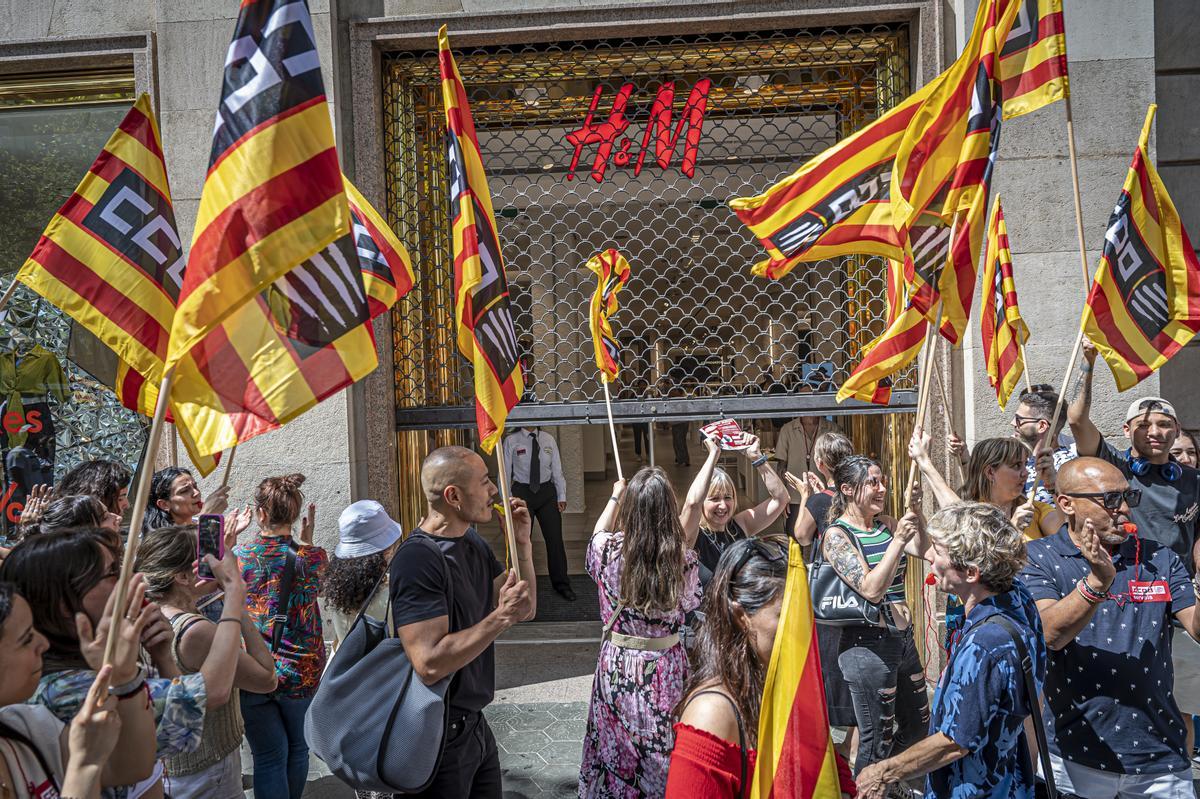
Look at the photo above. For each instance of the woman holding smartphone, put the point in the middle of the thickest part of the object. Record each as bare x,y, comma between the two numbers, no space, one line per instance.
167,559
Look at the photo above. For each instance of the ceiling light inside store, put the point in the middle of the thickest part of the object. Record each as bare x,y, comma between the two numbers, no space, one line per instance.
532,96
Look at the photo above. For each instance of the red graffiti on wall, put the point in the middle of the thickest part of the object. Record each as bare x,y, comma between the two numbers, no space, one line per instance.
610,133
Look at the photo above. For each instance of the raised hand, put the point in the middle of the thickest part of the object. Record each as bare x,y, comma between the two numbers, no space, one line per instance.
1097,557
307,526
959,448
217,501
1089,351
918,446
235,525
522,522
129,638
1023,516
35,504
753,449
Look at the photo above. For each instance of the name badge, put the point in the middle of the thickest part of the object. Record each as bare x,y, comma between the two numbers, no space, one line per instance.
47,790
1155,591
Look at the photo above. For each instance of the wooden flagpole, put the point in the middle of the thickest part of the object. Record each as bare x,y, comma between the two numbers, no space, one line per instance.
137,513
8,292
612,428
510,535
923,395
1025,362
228,466
174,447
949,415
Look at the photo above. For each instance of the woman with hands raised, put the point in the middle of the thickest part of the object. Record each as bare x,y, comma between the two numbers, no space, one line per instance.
108,742
711,506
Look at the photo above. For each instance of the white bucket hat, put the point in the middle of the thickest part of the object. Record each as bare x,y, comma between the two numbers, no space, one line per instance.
364,528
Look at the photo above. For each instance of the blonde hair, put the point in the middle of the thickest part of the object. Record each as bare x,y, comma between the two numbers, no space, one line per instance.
721,482
991,452
981,535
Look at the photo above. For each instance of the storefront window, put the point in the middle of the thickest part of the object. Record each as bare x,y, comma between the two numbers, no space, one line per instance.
53,412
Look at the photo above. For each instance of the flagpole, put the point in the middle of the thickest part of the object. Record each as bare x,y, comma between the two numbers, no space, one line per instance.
138,512
612,428
949,413
510,535
228,466
1025,362
924,393
174,447
8,292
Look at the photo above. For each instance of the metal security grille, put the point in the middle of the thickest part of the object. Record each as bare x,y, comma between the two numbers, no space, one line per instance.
639,144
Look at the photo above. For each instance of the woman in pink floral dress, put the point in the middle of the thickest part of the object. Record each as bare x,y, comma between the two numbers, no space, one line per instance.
648,580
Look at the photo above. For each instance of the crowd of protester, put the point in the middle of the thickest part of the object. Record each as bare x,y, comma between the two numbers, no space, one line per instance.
1068,566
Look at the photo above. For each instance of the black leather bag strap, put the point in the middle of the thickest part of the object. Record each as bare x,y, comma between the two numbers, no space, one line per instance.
1039,729
743,788
286,581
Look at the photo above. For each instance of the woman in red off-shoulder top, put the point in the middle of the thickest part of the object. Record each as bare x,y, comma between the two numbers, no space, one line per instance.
716,734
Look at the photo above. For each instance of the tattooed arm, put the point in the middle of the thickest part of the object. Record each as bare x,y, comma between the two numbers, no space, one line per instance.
1087,435
848,562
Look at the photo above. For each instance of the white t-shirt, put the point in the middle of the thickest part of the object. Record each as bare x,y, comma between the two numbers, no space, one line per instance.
43,730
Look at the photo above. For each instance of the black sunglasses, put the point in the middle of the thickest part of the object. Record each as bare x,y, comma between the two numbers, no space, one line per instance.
1111,500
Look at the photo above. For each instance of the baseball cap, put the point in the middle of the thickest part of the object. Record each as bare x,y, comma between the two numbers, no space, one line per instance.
364,528
1151,405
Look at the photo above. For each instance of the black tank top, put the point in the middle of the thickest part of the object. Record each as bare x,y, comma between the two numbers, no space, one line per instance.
710,545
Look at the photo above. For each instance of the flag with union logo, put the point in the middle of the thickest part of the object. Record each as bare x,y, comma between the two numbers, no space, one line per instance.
795,750
1144,304
111,257
1033,61
486,335
387,270
612,272
273,195
898,346
1003,330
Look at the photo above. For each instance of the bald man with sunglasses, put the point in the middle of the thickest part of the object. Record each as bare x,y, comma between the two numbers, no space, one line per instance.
1107,597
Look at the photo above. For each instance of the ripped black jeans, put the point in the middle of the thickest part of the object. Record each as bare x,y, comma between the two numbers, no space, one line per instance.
887,685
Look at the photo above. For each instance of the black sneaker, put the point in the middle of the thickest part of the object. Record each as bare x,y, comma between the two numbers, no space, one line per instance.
566,592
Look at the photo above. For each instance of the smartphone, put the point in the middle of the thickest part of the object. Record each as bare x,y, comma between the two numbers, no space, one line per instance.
210,541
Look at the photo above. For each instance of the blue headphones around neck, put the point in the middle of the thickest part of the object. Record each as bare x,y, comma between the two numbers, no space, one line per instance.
1171,471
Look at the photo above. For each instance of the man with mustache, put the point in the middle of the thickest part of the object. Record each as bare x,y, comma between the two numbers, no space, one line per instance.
1106,596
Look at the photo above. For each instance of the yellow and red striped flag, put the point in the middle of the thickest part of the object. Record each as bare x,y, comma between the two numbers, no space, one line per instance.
871,381
1033,62
612,272
1003,330
273,196
486,335
1144,305
943,173
111,257
795,750
303,339
837,203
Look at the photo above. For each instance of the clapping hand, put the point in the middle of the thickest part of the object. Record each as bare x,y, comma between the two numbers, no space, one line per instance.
308,526
35,504
1097,556
805,486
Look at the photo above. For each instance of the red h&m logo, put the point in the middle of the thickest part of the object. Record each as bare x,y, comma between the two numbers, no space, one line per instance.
606,134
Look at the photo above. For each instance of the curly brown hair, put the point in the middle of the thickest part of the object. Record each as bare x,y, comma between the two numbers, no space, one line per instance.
347,582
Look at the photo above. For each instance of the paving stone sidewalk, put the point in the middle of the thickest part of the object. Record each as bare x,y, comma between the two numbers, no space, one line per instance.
541,745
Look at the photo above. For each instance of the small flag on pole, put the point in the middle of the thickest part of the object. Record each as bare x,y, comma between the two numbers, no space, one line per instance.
1033,61
900,344
612,272
486,335
1144,305
795,750
1004,333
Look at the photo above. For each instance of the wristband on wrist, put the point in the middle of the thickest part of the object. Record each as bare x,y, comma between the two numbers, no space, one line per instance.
127,688
614,498
759,461
228,618
1086,368
1090,594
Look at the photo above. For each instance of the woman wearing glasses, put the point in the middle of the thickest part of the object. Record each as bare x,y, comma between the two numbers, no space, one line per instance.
717,731
995,474
880,662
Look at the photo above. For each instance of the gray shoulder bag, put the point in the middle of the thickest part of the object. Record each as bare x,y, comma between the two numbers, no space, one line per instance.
373,721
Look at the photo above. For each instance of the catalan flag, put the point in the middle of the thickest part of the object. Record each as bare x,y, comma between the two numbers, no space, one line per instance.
943,173
111,257
1144,305
1033,61
486,335
795,750
871,381
273,196
837,204
387,270
612,272
1003,330
305,337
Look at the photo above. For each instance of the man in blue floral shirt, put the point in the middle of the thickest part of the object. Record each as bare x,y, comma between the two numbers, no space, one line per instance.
976,745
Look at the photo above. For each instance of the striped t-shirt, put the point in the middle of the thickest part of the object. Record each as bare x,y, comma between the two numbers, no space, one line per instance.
874,544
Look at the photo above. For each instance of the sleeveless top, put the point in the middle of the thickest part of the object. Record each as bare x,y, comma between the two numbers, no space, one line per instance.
874,544
710,545
223,726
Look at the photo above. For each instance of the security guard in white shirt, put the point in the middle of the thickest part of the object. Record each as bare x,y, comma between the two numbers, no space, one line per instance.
537,477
